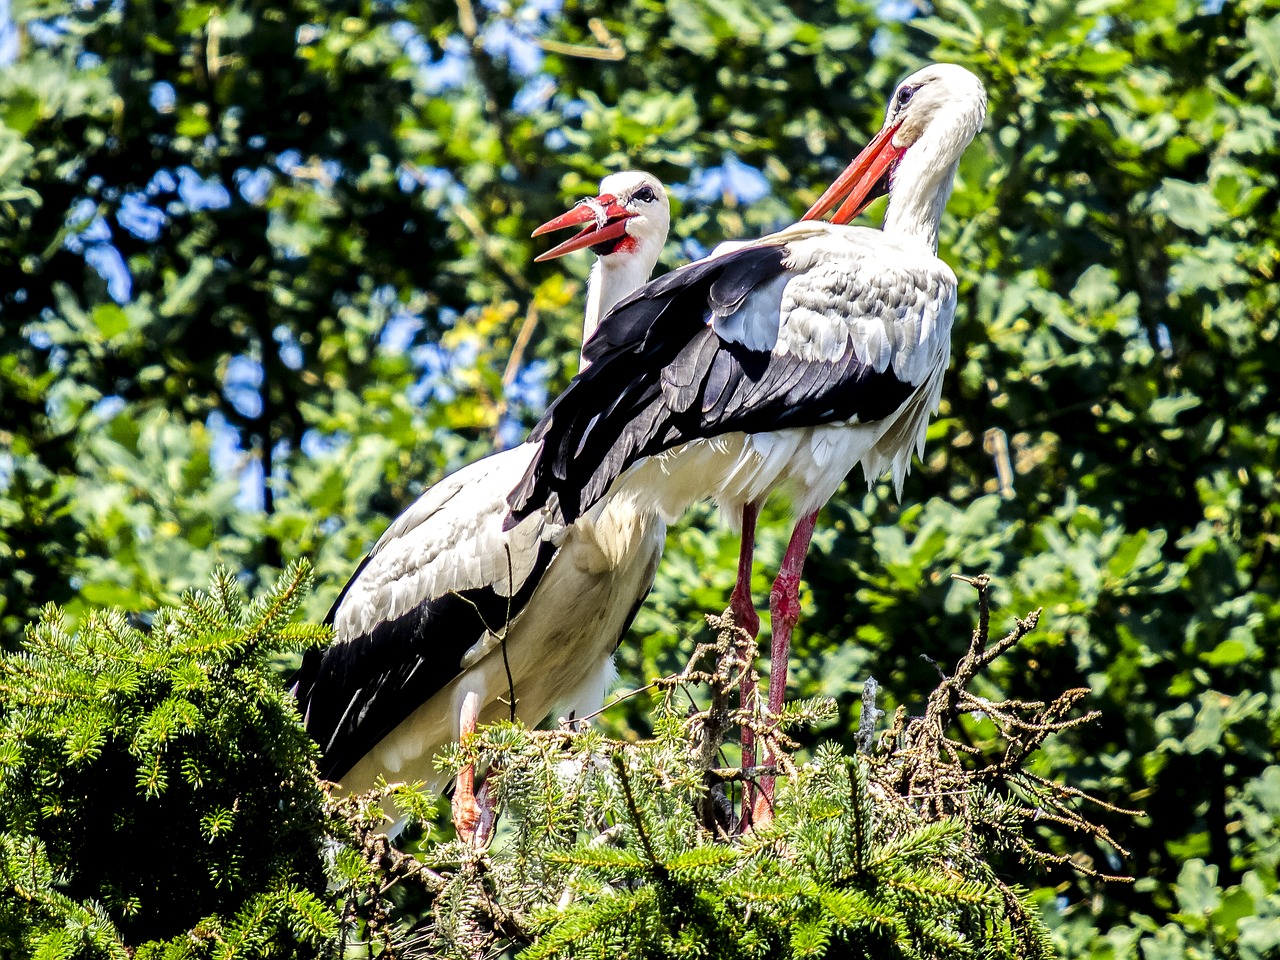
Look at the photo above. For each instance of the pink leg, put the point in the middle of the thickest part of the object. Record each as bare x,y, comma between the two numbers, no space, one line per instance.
784,609
744,615
467,812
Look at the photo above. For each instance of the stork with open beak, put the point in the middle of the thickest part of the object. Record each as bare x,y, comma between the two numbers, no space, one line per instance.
782,363
448,601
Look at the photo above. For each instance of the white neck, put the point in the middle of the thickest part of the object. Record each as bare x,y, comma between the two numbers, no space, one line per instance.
921,187
613,277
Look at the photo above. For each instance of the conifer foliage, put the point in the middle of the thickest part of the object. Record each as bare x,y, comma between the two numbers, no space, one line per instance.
155,784
158,798
609,848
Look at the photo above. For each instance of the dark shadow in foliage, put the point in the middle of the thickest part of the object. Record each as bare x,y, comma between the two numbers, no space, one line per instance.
159,781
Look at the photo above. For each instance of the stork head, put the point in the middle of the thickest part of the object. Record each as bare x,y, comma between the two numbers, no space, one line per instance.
628,219
932,116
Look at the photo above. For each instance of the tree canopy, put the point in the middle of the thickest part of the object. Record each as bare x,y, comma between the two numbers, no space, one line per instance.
265,274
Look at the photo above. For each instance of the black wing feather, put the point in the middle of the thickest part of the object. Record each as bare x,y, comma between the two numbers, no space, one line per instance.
353,693
660,376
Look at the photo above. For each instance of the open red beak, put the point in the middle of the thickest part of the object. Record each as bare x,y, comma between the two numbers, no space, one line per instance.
856,185
605,220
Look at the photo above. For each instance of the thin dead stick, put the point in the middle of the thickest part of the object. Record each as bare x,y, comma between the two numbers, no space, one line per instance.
513,367
610,46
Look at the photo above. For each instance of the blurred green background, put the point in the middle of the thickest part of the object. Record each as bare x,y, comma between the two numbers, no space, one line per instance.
263,267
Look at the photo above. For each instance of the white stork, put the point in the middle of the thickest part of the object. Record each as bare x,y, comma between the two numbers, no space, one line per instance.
421,622
781,363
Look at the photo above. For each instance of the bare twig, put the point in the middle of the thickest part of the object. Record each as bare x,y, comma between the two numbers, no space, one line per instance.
940,774
513,367
610,47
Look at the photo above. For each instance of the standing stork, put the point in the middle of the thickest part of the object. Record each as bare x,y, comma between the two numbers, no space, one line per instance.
781,363
448,603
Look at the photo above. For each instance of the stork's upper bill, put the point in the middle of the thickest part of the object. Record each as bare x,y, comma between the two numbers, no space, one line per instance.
938,109
629,205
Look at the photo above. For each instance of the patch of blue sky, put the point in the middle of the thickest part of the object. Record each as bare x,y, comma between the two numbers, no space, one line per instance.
332,170
38,337
529,388
539,9
8,35
242,385
399,331
254,185
411,42
432,179
280,464
199,193
438,363
88,61
881,40
106,260
225,452
534,95
108,407
733,180
1101,30
163,97
383,296
288,162
47,33
556,140
139,217
512,42
7,466
510,433
290,349
1212,7
87,226
449,71
318,445
251,497
91,237
693,250
162,181
898,11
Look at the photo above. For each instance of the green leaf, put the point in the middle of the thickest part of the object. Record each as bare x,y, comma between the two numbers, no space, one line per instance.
1191,206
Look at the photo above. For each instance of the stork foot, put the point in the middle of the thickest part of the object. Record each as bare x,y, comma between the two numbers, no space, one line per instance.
472,810
762,811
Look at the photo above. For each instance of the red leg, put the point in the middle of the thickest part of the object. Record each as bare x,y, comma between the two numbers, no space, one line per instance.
740,603
744,615
784,609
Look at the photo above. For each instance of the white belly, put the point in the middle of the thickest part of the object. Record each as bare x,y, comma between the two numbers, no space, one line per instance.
808,463
560,647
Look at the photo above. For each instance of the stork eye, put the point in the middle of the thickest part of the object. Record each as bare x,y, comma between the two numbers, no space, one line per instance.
905,95
644,195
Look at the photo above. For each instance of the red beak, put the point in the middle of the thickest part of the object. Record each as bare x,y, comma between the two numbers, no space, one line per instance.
605,219
859,179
